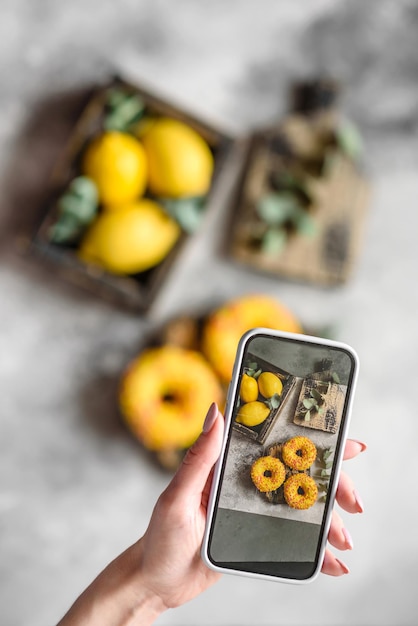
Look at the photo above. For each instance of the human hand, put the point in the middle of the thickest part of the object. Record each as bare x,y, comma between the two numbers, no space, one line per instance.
164,568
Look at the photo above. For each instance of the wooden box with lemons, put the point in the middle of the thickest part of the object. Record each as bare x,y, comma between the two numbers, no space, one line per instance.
264,391
135,183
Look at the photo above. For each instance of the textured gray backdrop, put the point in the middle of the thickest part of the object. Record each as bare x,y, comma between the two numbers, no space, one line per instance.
75,489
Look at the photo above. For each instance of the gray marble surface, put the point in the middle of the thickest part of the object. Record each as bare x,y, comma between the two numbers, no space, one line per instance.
75,489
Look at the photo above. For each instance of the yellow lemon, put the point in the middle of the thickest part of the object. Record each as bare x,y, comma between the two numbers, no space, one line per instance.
252,413
269,384
248,389
180,162
116,162
130,240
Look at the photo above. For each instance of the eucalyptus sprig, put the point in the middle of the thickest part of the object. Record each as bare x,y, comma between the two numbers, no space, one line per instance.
322,478
253,370
77,208
274,402
312,404
123,110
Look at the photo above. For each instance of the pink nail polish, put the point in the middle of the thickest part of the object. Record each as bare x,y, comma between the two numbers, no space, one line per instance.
362,445
359,501
343,566
210,417
348,539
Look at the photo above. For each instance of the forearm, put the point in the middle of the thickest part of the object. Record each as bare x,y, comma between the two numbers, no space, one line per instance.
118,597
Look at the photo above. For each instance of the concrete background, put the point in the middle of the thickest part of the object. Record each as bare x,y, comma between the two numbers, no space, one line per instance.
75,488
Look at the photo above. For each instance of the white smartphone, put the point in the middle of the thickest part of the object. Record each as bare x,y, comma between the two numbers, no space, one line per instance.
274,485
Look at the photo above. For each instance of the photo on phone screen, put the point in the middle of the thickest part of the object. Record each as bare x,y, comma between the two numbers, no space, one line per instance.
290,401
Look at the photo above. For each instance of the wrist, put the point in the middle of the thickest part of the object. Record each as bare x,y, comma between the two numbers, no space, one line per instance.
118,597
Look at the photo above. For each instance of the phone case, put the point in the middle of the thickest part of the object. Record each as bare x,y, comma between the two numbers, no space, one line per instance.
314,405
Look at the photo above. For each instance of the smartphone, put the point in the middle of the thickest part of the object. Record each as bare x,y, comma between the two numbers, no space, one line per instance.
287,415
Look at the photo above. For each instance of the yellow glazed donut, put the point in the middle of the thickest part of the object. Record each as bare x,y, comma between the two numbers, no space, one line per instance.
268,473
165,394
300,491
299,453
225,327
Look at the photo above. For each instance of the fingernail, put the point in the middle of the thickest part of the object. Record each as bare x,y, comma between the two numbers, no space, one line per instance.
343,566
362,445
348,539
210,417
359,501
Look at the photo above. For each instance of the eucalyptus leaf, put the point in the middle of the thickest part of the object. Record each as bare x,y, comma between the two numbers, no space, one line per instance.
305,223
84,187
125,110
335,377
257,373
80,209
307,417
325,473
253,365
276,208
349,140
188,212
273,241
275,401
309,403
66,229
315,394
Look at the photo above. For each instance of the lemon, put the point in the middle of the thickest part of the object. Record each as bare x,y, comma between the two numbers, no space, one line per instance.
132,239
180,162
248,389
116,162
252,413
269,384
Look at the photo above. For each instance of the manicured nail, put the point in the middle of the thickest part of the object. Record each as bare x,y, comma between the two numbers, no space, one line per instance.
343,566
348,539
210,417
362,445
359,501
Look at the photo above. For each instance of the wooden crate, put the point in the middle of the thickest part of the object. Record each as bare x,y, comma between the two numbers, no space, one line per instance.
136,292
338,197
260,433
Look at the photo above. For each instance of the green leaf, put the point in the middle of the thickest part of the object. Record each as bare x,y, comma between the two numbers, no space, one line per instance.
325,473
257,373
67,229
335,377
349,140
315,394
275,401
273,241
125,110
276,208
188,212
305,223
253,365
307,417
308,403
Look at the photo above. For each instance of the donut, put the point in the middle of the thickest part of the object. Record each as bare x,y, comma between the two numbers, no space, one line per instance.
225,326
268,473
299,453
300,491
164,396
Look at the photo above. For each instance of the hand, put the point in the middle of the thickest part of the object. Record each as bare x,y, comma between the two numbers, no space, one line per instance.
164,569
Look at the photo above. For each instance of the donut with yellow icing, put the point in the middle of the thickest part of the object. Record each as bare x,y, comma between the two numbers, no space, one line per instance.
268,473
299,453
165,394
300,491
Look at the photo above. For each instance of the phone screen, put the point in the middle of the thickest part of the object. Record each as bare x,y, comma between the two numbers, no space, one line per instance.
289,402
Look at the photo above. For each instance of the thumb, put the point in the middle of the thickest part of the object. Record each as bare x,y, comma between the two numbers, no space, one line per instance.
192,475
